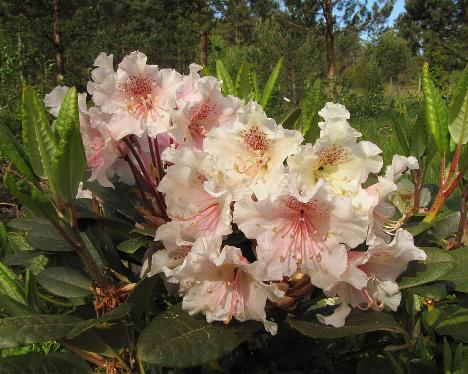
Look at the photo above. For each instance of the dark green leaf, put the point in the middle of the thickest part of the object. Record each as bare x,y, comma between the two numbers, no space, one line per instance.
435,292
176,339
70,161
4,243
21,258
65,282
447,358
458,276
290,119
132,245
36,363
12,150
359,322
10,284
115,314
13,308
91,341
20,331
450,320
436,112
38,138
438,263
417,228
50,241
271,83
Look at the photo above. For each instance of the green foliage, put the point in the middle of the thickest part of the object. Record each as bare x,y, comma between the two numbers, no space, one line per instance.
458,111
53,363
65,282
271,83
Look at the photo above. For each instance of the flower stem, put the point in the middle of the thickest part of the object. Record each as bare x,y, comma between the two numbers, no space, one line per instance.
463,215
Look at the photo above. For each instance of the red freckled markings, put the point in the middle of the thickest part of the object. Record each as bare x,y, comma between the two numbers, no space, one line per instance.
255,139
138,87
293,203
333,155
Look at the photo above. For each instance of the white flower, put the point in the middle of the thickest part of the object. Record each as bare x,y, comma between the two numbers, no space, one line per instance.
54,99
196,200
381,265
224,287
251,151
302,232
336,156
140,97
200,107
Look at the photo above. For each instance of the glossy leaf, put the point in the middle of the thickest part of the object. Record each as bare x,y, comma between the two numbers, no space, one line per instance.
310,106
20,331
38,138
65,282
10,284
132,245
176,339
458,111
12,150
449,320
436,112
115,314
14,308
50,241
438,263
357,323
271,83
435,292
70,161
52,363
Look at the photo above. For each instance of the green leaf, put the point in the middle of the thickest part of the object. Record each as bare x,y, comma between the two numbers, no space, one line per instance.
436,112
12,150
20,331
438,263
458,276
50,241
31,196
400,126
70,161
52,363
243,87
417,228
458,111
435,292
447,357
256,86
358,322
91,341
10,284
21,258
115,314
290,119
223,75
271,83
310,106
65,282
133,244
176,339
463,161
4,243
13,308
450,320
38,138
418,139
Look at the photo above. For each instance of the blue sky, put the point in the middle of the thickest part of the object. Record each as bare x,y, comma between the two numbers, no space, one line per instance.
397,10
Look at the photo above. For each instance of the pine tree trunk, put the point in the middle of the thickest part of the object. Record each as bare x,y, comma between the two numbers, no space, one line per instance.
57,38
329,37
203,48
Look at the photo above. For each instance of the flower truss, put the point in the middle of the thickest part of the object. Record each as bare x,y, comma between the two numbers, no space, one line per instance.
212,168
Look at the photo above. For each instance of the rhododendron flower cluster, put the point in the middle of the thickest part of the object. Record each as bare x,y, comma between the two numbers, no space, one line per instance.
218,171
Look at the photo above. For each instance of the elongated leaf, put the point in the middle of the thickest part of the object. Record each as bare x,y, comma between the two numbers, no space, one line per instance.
13,152
290,119
65,282
243,87
458,111
310,105
400,128
256,87
176,339
357,323
30,224
450,320
31,196
91,341
418,139
115,314
438,263
4,244
38,138
10,284
435,292
458,276
70,161
448,357
132,245
20,331
13,308
436,112
52,363
271,83
223,75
